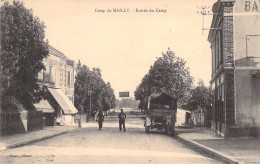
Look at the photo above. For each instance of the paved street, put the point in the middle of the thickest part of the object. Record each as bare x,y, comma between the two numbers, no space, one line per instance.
89,145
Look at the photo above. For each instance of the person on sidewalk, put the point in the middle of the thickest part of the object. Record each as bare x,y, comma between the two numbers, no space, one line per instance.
93,114
170,124
79,123
100,119
122,117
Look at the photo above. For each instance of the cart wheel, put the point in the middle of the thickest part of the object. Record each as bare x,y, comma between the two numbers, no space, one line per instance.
147,129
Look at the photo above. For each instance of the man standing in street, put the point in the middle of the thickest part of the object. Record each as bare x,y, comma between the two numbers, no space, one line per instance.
100,119
122,117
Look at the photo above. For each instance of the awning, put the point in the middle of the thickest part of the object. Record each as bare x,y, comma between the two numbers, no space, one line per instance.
63,101
44,106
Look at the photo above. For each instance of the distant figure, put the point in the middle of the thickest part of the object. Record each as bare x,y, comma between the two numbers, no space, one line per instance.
122,117
93,116
100,119
79,123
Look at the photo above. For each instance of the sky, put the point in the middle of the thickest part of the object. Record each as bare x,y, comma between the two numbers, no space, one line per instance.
125,44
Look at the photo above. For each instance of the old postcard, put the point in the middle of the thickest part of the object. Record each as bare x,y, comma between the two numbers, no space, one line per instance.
130,81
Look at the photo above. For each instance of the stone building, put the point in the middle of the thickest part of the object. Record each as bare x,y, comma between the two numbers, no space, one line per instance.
235,83
59,77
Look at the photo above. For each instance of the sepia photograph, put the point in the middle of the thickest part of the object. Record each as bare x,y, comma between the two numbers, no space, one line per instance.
130,81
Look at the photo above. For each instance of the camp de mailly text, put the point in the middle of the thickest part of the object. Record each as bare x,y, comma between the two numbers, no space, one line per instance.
131,10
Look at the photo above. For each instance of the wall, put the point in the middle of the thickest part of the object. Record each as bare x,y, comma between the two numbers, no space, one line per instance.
197,117
247,98
229,98
247,61
246,22
181,117
82,117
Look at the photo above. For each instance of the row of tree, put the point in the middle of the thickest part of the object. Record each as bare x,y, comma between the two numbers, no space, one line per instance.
127,103
169,74
91,92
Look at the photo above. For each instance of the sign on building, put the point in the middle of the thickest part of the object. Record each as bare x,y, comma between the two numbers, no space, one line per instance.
123,94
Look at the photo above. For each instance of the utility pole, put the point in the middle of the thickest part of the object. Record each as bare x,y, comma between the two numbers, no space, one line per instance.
90,106
204,10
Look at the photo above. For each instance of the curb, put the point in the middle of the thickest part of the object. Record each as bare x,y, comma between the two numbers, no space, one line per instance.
211,151
22,143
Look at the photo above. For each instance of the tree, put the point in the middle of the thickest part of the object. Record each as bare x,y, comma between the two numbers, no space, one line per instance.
128,103
143,91
108,97
91,88
81,88
199,98
168,74
22,51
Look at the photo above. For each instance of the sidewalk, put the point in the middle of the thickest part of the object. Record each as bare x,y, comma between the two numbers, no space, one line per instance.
231,150
16,140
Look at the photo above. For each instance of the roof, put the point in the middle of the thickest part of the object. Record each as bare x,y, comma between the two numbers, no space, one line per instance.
56,52
44,106
161,98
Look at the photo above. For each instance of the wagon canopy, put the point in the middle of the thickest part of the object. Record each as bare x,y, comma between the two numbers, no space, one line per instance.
162,98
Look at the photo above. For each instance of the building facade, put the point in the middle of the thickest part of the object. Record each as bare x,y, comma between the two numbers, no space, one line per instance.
59,72
59,77
235,82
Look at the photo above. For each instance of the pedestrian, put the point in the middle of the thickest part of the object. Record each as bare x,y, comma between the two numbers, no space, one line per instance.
100,119
79,123
93,115
122,117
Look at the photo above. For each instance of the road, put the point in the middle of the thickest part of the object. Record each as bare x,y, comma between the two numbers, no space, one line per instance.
90,145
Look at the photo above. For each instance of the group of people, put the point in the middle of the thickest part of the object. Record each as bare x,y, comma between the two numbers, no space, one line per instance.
121,117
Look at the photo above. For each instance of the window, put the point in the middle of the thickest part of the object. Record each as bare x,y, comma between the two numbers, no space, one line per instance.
64,82
61,77
52,73
217,51
44,76
252,46
220,46
68,78
213,59
40,75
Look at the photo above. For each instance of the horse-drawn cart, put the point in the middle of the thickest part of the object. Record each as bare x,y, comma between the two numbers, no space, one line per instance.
161,113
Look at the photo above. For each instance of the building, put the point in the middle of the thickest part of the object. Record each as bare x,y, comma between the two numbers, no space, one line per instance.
198,117
183,117
58,77
235,83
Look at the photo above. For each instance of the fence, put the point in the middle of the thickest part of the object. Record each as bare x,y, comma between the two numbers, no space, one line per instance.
19,122
11,123
35,120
